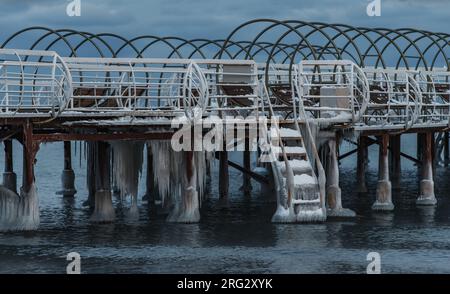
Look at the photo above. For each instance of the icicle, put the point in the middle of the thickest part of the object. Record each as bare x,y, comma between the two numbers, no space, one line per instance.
19,213
127,168
161,167
104,210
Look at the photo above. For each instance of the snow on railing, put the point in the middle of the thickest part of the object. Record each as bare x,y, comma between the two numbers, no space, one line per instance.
395,97
170,85
435,88
33,81
333,89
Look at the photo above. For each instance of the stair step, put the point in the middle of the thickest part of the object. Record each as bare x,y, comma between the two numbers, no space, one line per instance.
286,133
290,150
304,179
298,166
302,201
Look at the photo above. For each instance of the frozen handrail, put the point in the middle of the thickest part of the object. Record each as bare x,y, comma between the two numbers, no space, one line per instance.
333,89
33,81
395,97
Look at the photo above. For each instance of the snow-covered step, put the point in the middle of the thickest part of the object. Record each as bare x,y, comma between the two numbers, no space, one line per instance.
298,166
290,150
304,179
286,133
301,201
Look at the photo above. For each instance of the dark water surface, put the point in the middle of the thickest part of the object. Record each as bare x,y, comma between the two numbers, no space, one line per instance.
239,239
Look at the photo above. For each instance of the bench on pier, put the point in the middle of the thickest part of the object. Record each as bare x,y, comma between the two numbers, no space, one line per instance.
95,97
443,90
238,90
236,84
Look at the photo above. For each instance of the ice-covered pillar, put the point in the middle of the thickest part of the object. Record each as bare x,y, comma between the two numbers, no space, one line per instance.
9,176
103,211
223,177
21,212
68,176
189,210
361,165
446,149
334,199
90,173
426,196
384,187
149,182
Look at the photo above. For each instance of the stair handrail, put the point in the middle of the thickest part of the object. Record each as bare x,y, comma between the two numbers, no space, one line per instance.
289,171
320,170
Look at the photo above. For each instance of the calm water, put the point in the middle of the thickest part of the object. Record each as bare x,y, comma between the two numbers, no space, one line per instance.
239,239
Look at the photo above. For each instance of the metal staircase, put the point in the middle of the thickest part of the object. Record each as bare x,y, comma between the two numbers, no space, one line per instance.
298,190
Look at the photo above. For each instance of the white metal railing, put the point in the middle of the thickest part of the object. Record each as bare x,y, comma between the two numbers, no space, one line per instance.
337,91
33,81
395,98
333,89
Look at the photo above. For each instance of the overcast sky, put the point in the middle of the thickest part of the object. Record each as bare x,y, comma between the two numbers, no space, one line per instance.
214,19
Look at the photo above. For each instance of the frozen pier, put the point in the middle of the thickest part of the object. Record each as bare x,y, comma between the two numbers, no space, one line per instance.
290,103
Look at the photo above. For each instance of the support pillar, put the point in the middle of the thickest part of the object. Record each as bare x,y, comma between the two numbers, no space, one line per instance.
21,212
247,184
90,174
150,190
104,210
384,188
426,196
189,212
334,199
361,165
9,176
68,176
223,177
420,140
446,149
395,159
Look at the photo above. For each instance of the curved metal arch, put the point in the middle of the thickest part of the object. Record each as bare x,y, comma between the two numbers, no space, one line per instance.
186,42
422,36
274,23
353,42
70,33
441,48
120,38
230,45
139,52
392,42
205,43
13,36
315,29
262,48
342,33
401,35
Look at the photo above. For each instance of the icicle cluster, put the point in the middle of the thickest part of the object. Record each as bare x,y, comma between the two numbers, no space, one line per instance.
127,168
169,170
19,213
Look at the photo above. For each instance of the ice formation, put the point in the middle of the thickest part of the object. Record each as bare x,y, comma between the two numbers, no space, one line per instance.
104,210
170,174
19,213
127,168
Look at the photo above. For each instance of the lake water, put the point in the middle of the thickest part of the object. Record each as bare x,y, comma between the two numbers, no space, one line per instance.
239,239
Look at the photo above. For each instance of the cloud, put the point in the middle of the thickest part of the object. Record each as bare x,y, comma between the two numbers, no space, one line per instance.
211,18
